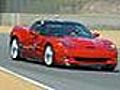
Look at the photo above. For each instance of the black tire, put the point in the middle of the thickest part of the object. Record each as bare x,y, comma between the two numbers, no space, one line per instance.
48,55
109,68
15,49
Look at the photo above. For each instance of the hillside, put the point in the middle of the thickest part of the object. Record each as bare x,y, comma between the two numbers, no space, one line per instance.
61,6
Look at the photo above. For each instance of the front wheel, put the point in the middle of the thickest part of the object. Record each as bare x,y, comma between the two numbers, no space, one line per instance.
109,68
48,55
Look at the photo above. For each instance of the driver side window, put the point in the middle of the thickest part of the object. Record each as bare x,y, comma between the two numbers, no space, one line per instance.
37,27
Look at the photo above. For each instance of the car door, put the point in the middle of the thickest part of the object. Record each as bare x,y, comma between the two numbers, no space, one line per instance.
38,41
27,41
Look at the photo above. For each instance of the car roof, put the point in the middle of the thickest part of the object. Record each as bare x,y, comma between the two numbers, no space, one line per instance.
57,22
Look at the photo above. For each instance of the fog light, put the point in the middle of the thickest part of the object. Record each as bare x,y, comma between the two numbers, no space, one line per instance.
67,63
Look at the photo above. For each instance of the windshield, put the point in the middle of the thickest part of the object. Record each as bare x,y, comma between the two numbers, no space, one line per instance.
67,29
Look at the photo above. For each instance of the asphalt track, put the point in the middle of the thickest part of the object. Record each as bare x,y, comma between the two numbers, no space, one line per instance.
57,77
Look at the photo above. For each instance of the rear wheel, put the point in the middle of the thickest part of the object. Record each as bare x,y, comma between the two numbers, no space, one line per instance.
14,49
48,55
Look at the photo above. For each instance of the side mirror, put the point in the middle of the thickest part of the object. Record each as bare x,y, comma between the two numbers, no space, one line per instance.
95,33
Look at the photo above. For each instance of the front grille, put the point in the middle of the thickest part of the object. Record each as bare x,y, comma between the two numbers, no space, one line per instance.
91,59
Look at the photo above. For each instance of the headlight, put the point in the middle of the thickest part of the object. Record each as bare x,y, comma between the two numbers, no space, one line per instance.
109,45
112,46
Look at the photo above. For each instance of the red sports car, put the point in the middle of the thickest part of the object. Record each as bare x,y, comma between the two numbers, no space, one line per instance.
63,43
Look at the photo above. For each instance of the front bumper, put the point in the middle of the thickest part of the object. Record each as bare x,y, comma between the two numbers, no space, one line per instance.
72,61
90,57
85,58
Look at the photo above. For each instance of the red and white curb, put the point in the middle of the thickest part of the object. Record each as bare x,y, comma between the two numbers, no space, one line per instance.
27,79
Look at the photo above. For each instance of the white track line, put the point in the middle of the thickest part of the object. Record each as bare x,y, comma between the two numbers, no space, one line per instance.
27,79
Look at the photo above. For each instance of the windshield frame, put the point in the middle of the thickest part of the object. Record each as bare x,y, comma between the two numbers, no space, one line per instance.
57,28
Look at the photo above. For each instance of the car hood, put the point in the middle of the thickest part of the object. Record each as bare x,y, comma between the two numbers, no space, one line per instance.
85,42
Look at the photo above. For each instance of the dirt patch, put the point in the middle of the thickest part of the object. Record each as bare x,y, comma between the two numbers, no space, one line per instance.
5,29
10,82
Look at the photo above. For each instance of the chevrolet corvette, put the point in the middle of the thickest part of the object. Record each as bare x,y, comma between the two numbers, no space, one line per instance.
63,43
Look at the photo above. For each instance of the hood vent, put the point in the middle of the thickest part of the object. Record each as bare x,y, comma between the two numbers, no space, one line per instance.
90,47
